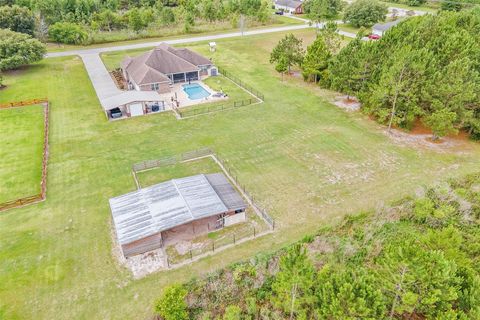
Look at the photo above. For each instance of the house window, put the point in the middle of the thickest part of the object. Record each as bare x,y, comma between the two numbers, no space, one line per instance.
155,86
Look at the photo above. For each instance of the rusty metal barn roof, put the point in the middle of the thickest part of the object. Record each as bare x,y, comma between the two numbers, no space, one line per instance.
163,206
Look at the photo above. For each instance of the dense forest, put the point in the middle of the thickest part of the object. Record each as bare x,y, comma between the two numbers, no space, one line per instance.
87,21
418,258
425,68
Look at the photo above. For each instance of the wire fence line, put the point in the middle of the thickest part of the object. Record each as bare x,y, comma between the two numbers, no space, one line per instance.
196,111
241,83
212,246
198,154
258,97
166,161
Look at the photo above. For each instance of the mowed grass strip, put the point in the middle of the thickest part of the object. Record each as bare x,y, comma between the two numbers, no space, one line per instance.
306,161
21,149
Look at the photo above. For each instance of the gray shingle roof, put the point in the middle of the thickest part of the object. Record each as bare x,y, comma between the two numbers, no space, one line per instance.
289,3
163,206
154,65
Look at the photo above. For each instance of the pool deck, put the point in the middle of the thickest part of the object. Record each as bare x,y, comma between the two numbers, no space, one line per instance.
184,101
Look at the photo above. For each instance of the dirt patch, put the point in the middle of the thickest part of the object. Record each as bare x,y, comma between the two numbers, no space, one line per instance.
348,103
142,264
424,140
146,263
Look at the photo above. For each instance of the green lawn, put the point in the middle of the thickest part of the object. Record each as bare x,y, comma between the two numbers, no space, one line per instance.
21,150
306,161
179,170
349,28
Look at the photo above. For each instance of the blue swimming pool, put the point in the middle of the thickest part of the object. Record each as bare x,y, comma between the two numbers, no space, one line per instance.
195,91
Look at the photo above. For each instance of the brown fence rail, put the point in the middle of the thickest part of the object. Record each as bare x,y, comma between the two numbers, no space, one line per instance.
43,184
22,103
20,202
166,161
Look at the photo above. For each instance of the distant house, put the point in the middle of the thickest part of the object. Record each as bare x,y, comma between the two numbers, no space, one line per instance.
380,28
157,69
289,6
147,218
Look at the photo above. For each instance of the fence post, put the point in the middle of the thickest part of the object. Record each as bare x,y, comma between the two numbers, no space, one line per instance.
191,256
213,245
254,232
234,238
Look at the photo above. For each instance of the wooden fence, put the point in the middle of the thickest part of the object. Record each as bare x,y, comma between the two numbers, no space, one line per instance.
43,183
23,103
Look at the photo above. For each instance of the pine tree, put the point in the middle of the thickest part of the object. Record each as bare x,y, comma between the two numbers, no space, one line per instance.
288,52
293,285
316,60
348,294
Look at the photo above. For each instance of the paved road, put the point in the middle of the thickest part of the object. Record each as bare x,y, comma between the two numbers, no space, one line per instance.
175,41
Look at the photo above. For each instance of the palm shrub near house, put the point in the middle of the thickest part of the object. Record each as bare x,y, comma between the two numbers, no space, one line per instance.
424,68
18,49
417,259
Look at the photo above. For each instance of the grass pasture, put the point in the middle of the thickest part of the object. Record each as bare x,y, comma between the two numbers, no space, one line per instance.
178,170
306,161
21,149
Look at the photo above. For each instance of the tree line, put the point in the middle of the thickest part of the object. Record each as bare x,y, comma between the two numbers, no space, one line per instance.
71,21
416,259
425,68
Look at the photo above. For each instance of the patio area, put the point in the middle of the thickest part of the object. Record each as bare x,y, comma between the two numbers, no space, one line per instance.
179,98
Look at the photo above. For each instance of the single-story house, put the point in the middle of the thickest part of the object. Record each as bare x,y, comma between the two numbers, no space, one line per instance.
143,218
380,28
157,69
289,6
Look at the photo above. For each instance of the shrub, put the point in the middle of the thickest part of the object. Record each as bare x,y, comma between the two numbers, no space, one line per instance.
365,13
232,313
172,305
18,49
18,19
67,32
